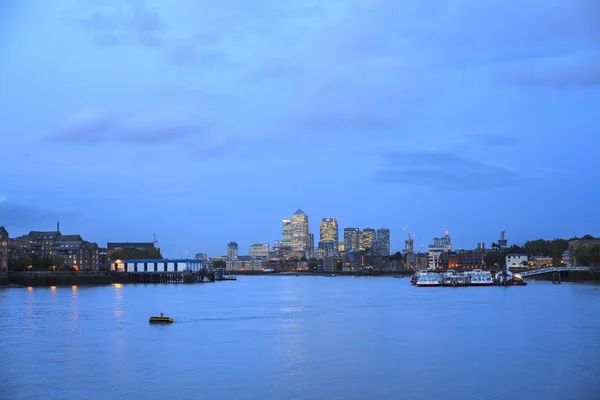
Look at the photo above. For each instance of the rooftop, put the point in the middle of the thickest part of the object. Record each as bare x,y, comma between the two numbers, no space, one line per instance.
130,245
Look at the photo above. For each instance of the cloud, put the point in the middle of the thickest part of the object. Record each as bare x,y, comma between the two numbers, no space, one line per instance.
192,54
27,216
445,171
567,72
90,126
464,32
277,68
130,22
346,104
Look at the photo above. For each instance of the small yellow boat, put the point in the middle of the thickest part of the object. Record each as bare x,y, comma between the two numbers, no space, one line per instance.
162,319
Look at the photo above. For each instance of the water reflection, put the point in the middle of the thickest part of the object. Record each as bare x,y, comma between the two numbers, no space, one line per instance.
75,304
272,338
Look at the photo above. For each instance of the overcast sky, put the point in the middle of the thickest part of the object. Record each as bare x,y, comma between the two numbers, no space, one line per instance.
207,121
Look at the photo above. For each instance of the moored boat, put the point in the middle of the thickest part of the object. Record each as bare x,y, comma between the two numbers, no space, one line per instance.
415,277
429,280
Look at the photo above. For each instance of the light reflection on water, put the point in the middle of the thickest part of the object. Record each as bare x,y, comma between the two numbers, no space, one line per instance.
301,338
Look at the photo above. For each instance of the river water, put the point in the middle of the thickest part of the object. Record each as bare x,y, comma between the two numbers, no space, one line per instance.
276,337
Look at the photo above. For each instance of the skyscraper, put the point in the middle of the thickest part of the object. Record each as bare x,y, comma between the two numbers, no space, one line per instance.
311,245
300,237
368,238
286,233
383,241
232,251
329,236
351,239
259,250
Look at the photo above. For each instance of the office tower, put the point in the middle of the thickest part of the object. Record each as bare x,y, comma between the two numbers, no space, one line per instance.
351,239
300,237
232,251
329,237
286,233
368,238
311,245
383,241
503,242
443,242
481,246
259,250
440,246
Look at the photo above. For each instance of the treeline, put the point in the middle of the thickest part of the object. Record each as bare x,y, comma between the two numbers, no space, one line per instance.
587,255
135,254
35,263
541,247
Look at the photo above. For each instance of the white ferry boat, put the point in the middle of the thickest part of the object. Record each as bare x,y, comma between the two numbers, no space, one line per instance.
429,280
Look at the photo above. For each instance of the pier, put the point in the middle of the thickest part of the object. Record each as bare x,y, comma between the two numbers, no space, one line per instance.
165,277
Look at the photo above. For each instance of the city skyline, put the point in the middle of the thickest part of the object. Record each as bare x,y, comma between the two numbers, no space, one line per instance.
138,117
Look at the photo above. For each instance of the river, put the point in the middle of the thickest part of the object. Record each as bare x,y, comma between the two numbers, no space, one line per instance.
276,337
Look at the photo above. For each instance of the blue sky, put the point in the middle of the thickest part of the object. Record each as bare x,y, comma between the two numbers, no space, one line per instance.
210,121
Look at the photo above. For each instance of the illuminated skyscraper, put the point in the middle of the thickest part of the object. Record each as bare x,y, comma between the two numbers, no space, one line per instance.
259,250
329,236
300,236
286,233
232,251
311,245
368,238
329,230
351,239
383,241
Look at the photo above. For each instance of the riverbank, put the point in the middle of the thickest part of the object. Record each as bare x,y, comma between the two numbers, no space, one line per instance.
59,278
403,273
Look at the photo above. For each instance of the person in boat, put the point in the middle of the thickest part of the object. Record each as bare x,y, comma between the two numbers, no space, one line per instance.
161,315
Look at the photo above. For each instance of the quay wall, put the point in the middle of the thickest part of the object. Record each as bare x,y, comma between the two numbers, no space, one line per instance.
569,276
59,278
3,280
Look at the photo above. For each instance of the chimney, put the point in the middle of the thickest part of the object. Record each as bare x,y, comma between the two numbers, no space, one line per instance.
57,226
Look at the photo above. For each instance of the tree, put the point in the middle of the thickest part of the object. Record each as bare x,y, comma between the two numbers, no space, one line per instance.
587,237
396,257
494,258
35,262
57,261
45,264
582,256
588,255
20,264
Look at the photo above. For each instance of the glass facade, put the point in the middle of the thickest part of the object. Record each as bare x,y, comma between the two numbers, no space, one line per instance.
351,239
383,241
368,238
300,235
232,251
286,233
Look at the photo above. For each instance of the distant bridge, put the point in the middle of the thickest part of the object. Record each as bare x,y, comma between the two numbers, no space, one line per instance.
552,269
